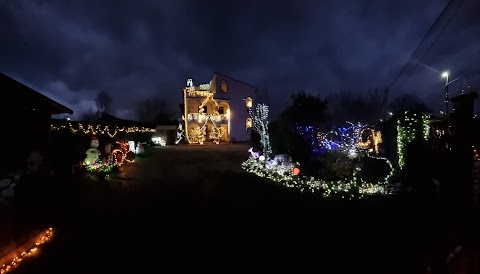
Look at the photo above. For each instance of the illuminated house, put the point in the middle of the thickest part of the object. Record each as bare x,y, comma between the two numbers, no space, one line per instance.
218,111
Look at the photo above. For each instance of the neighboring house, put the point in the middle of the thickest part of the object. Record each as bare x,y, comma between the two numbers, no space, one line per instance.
25,117
110,120
167,132
218,111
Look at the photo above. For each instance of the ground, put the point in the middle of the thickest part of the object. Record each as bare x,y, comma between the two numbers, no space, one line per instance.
192,208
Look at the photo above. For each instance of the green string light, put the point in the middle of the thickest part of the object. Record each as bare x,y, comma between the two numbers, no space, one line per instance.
99,166
408,129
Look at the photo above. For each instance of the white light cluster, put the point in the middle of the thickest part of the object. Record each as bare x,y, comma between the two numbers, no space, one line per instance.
200,117
180,134
159,141
259,116
356,187
344,139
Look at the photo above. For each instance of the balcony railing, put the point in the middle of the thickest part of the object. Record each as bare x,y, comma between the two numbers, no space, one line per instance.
202,117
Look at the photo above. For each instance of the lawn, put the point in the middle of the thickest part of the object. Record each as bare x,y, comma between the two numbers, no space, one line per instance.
193,208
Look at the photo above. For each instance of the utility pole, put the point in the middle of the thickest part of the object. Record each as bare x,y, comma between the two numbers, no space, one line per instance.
445,75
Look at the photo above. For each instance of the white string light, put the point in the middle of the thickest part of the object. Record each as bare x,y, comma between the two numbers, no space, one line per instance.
345,188
259,115
98,129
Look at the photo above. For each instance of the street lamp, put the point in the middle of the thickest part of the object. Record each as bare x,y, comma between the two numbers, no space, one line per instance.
445,75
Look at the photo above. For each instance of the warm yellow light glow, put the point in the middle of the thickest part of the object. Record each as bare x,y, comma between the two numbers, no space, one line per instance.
43,237
374,139
185,115
377,139
198,134
249,102
228,121
248,123
98,129
223,86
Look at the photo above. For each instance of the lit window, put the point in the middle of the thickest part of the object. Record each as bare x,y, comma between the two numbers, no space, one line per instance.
249,102
248,123
223,86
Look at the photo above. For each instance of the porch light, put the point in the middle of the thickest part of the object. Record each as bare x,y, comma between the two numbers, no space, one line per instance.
248,123
249,102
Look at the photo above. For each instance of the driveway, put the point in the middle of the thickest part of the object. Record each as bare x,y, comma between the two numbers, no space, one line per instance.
191,208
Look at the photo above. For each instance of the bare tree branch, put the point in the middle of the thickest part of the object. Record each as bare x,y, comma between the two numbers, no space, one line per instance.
152,110
104,102
89,116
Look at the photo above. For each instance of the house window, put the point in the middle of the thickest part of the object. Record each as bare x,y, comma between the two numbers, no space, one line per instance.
221,110
223,86
248,122
205,109
249,102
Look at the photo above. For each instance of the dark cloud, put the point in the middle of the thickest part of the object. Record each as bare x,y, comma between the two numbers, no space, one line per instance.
71,50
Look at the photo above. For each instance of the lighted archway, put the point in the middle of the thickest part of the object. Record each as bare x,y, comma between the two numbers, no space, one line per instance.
223,107
224,124
224,133
210,128
211,107
193,106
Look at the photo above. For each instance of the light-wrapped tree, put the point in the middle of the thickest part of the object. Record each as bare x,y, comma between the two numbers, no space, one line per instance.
259,115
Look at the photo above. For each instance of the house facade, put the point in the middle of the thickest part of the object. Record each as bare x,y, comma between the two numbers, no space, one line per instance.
218,112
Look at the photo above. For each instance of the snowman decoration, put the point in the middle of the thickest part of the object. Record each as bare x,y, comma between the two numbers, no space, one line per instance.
93,153
140,149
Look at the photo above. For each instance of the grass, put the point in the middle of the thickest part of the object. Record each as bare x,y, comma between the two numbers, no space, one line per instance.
192,208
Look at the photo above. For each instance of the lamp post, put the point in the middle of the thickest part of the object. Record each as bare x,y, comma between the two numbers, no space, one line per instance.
445,75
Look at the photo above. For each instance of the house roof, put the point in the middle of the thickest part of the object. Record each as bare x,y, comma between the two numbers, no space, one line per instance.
223,75
22,96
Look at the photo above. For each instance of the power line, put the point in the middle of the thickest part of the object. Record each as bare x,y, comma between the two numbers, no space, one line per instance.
441,31
453,5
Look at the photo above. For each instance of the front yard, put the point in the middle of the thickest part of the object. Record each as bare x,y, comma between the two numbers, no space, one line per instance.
193,208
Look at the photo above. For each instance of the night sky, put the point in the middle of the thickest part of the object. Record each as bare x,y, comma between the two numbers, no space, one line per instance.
71,50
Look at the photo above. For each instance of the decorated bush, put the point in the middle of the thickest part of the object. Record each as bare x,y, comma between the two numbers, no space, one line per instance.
336,165
343,166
